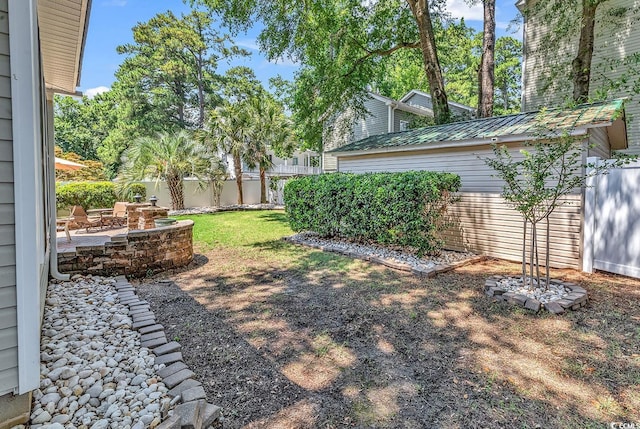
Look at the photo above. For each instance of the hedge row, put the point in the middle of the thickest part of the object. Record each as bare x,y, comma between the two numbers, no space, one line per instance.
403,209
95,195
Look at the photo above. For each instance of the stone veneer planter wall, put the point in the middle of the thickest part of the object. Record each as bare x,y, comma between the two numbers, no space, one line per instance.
135,253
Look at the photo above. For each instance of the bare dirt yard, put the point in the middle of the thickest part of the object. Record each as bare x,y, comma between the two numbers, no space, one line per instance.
283,336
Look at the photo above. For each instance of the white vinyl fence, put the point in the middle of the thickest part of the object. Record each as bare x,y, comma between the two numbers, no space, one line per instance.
195,197
612,221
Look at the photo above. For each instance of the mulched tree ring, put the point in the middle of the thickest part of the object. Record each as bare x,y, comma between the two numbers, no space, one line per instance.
577,298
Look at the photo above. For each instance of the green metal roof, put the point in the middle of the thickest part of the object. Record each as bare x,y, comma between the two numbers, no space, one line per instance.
528,124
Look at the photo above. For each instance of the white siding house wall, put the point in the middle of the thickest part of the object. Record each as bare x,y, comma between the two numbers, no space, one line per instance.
613,42
483,222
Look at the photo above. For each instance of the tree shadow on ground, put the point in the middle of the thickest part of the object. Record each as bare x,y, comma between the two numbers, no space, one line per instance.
320,340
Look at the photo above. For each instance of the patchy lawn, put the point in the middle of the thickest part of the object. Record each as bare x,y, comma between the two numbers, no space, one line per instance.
290,337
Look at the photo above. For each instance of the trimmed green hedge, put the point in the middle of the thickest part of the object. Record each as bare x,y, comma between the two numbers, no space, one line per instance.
95,195
403,209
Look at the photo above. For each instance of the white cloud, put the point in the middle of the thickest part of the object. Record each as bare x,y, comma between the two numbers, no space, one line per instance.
92,92
283,61
248,43
117,3
460,9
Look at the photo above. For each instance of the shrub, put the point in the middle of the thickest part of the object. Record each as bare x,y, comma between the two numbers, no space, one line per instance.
126,191
90,195
403,209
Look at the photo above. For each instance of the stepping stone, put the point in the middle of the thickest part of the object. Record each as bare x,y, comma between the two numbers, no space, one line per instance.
177,378
211,414
169,358
152,336
190,417
172,422
142,324
129,301
154,342
144,307
193,394
171,369
187,384
152,328
138,311
143,316
167,348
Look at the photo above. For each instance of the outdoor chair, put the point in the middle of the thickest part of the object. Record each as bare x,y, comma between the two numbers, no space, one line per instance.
117,216
80,218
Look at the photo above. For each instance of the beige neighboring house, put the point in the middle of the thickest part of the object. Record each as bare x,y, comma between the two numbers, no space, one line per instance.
613,42
41,45
384,115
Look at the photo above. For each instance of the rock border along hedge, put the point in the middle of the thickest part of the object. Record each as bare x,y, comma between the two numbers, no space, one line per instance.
191,409
389,262
578,297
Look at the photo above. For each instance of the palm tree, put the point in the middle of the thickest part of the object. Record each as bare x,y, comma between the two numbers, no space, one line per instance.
167,157
227,131
269,129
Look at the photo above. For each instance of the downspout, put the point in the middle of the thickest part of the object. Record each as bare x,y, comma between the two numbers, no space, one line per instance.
392,105
53,253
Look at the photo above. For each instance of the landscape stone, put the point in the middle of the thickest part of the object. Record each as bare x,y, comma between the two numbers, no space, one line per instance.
171,347
152,328
554,307
211,413
154,342
171,369
177,378
172,422
187,384
191,414
151,336
532,304
193,394
169,358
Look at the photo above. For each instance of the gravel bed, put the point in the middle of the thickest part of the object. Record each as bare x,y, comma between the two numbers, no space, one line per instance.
424,263
203,210
93,372
555,292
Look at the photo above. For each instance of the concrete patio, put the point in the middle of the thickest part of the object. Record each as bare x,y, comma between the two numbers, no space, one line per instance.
79,237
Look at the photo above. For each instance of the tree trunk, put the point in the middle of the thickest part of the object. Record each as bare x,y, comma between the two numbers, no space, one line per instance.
175,190
263,186
200,92
237,168
524,251
420,10
548,275
581,65
487,61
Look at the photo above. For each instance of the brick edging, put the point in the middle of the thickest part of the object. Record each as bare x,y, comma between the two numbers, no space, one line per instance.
390,263
578,297
189,406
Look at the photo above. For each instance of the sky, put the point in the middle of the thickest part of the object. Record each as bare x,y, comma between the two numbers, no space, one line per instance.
111,22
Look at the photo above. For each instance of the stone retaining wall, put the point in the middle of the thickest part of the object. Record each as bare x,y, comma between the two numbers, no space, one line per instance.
136,253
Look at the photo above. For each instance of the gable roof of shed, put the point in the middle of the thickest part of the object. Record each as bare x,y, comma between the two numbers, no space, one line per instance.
520,126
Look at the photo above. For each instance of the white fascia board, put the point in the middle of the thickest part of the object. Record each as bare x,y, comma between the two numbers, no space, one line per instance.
449,144
27,161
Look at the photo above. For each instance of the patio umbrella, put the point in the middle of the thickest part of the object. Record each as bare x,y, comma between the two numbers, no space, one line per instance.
63,164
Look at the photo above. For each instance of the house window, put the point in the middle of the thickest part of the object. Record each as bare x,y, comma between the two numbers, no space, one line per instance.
404,125
294,161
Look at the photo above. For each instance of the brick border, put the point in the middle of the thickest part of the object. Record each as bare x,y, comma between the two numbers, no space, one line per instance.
390,263
578,297
190,408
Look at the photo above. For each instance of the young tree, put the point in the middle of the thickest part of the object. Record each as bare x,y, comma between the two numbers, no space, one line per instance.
535,184
169,158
